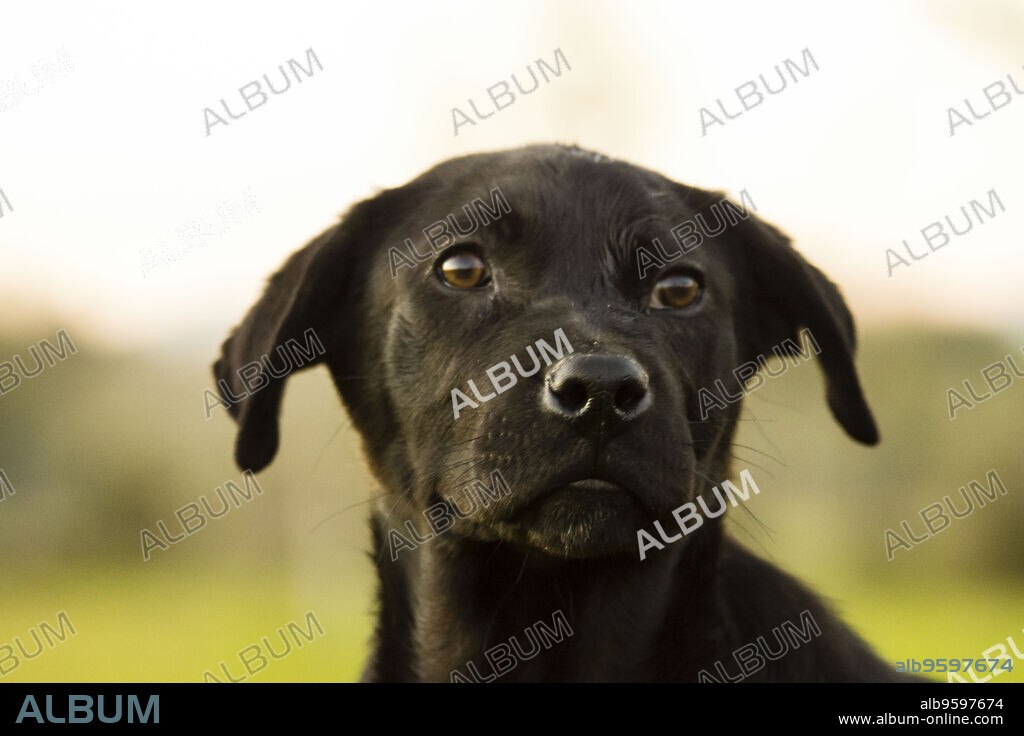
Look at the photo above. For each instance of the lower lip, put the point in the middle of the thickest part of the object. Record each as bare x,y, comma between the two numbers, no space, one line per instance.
593,485
590,493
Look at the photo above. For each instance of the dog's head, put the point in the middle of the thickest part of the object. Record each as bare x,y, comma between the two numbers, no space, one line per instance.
610,415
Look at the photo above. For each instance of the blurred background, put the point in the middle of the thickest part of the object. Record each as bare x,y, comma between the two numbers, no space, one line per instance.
147,240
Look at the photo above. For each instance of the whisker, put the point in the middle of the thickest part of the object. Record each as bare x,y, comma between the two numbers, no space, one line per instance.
753,538
765,399
760,452
755,465
757,425
746,447
330,516
328,444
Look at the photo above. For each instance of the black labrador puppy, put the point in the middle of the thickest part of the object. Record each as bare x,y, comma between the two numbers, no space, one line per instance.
530,343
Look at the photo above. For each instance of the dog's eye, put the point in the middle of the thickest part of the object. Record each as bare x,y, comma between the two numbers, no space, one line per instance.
676,291
463,270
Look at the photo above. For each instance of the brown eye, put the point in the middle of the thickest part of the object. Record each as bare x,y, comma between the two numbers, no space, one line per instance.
676,291
463,270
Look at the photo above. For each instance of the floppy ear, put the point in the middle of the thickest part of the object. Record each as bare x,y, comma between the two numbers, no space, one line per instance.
784,293
307,315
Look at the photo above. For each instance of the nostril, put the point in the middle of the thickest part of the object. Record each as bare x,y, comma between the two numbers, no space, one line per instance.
572,394
629,396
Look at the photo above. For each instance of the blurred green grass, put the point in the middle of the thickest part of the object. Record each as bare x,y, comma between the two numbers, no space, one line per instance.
134,627
105,444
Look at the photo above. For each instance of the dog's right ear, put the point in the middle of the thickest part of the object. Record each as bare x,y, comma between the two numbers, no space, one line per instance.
307,315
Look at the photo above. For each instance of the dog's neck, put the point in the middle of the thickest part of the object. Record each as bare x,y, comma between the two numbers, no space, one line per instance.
450,601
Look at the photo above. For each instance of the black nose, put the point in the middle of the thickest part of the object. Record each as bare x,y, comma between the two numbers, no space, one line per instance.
596,391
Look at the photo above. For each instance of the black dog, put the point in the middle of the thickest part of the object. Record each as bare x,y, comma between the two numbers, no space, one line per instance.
593,446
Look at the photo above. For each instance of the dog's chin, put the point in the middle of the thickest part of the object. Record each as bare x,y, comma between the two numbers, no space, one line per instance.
581,523
582,520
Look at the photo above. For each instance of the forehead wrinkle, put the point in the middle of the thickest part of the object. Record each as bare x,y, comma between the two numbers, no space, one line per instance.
600,273
635,232
611,211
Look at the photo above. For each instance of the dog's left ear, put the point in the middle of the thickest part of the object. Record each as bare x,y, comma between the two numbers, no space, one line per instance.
783,293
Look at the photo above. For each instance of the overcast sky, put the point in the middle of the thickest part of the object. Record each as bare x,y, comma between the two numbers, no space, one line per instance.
107,155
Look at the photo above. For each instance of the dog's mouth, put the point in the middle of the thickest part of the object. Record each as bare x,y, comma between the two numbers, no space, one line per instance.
573,503
583,518
583,493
